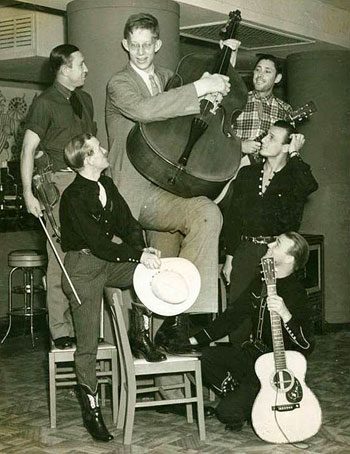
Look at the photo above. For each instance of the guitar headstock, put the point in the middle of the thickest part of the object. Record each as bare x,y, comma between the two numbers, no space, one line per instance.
229,29
269,270
303,112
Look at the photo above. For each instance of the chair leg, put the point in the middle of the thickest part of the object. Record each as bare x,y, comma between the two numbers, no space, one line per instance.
130,414
114,399
189,409
211,395
52,390
103,386
200,404
122,400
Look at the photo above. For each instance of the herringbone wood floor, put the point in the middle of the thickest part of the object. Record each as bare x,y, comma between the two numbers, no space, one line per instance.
24,416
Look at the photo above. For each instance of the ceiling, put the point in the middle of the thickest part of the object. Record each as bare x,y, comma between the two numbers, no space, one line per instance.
201,25
342,4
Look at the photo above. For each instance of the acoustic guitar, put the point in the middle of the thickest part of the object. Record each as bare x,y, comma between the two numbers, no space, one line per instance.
285,410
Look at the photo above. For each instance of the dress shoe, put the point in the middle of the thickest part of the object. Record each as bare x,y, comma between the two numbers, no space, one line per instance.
236,426
63,342
209,412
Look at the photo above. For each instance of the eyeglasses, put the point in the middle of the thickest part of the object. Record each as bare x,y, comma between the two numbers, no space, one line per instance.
146,47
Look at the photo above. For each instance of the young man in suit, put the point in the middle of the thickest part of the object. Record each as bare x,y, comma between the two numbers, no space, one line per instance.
185,227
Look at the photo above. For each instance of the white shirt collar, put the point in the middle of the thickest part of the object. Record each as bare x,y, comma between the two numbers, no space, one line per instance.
145,75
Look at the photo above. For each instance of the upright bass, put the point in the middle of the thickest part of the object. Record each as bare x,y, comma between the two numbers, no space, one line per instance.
196,154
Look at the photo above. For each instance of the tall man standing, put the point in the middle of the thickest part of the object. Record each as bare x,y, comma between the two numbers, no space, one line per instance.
56,116
137,94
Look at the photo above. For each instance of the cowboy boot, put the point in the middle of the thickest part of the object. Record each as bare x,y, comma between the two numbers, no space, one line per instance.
174,335
92,415
140,342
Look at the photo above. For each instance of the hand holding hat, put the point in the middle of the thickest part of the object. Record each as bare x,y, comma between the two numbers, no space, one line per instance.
150,258
170,289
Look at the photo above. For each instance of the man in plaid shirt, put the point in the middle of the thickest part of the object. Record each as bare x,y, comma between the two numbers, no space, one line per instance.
263,109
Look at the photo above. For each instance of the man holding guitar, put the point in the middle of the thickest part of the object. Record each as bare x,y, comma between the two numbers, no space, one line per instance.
230,369
267,199
185,227
263,108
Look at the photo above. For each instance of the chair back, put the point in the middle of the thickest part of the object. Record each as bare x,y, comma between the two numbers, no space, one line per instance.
126,358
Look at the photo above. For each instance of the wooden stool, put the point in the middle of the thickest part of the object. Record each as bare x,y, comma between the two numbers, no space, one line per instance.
26,260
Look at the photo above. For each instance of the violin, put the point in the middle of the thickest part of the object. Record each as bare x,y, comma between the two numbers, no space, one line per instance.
45,190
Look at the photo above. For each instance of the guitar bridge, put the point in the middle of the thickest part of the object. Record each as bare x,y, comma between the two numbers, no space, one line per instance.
288,407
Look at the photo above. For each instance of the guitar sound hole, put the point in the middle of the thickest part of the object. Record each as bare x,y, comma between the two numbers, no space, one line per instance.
283,380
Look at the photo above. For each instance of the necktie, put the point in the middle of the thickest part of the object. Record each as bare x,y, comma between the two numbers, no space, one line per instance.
76,104
154,87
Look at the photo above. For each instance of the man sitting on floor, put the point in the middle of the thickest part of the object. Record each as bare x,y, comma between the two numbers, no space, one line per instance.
229,369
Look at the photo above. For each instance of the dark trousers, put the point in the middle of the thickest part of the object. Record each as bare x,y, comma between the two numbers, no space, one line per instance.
236,405
90,275
245,266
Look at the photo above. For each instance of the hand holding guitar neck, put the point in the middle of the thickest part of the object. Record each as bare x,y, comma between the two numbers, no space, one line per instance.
285,410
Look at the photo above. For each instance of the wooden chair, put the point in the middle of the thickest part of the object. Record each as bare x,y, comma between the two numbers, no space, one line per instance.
61,373
131,368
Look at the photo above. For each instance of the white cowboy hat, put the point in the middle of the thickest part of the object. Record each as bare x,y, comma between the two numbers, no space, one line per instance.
169,290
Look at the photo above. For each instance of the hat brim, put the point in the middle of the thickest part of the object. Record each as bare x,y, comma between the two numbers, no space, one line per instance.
142,284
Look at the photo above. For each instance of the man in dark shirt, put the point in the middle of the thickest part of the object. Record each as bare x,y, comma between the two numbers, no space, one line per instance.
267,200
92,212
56,116
229,369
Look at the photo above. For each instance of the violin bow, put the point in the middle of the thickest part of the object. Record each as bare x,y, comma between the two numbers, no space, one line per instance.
59,260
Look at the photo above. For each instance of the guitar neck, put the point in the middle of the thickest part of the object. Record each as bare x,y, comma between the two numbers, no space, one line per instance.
277,333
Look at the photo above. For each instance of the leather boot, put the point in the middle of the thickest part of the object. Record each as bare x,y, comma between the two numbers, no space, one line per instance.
140,342
174,335
92,415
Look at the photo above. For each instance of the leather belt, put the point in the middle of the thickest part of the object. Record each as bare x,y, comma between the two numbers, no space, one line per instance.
258,239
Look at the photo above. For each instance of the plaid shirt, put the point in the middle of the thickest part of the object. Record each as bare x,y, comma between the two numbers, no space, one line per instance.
258,115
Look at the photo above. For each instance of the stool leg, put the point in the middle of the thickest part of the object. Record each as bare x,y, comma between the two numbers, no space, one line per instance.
31,303
52,389
9,304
